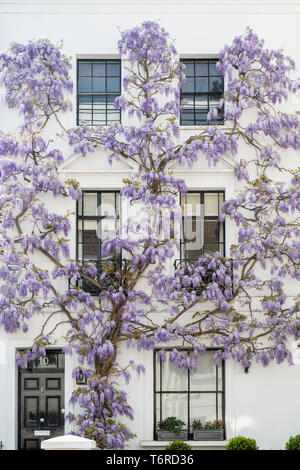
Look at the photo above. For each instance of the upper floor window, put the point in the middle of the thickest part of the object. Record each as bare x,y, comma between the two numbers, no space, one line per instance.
203,89
201,231
98,84
188,395
98,217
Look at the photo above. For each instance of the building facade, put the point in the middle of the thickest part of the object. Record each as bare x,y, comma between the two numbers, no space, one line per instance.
252,402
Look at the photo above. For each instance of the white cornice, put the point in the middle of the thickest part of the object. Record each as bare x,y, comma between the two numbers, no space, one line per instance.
143,3
151,7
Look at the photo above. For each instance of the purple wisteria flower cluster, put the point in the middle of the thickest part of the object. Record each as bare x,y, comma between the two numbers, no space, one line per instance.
236,303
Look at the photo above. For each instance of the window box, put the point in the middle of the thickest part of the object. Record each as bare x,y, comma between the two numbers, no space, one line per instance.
208,434
163,435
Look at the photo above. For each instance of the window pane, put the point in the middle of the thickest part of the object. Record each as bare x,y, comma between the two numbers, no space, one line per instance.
113,84
221,199
80,206
99,119
221,233
192,204
201,104
193,233
203,407
108,204
187,117
209,250
79,251
201,85
201,68
214,101
91,240
189,102
90,253
113,116
99,69
211,235
98,85
175,404
84,69
113,69
220,379
216,85
85,103
193,254
220,405
157,372
211,204
85,107
99,103
108,228
90,203
173,378
79,228
85,118
205,377
212,68
189,85
201,119
189,68
110,102
84,84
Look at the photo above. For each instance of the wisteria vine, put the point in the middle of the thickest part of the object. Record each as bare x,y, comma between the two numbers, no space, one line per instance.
237,303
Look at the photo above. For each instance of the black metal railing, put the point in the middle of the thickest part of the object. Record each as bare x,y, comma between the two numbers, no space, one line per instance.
206,279
110,267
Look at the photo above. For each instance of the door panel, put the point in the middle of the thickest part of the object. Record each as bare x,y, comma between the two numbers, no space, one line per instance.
41,400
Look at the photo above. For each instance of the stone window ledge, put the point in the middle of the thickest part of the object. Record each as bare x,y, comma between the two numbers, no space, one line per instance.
201,445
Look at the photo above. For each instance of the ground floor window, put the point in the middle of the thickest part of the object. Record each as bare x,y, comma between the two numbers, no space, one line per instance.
188,395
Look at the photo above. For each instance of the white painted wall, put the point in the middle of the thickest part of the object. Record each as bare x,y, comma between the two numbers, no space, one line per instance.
264,403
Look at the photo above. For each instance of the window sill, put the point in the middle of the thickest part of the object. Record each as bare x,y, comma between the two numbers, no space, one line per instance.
204,445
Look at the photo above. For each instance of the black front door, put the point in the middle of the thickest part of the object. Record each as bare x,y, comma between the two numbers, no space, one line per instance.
41,400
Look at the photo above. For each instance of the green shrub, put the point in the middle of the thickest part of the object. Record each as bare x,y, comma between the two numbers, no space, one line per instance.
293,443
171,424
178,445
241,443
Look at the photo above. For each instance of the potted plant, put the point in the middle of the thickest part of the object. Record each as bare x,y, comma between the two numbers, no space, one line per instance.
171,429
210,431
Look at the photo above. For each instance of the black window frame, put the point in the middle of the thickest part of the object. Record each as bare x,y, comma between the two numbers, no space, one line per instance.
209,94
99,262
213,218
188,392
95,94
